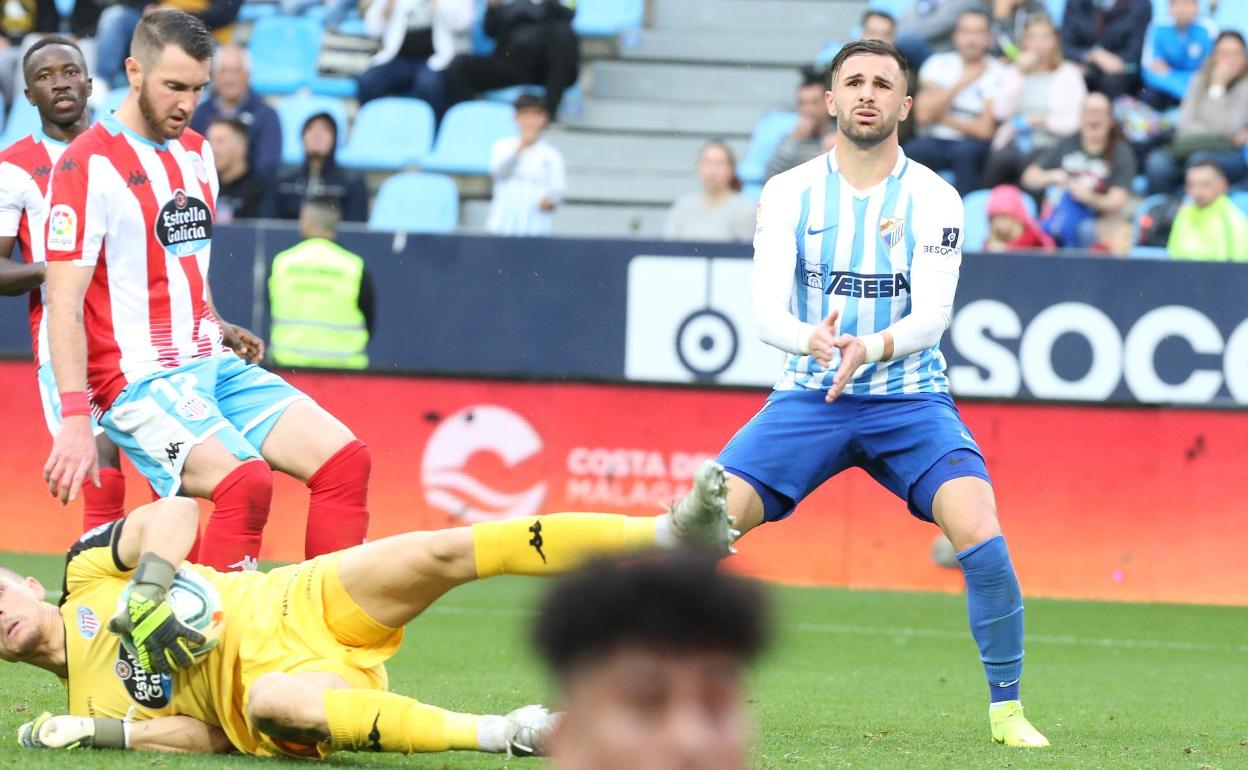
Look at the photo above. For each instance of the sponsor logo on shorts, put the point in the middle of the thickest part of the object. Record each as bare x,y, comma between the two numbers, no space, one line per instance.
173,450
193,407
184,225
88,623
62,228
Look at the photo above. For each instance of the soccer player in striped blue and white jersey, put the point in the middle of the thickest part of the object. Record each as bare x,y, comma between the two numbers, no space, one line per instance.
856,260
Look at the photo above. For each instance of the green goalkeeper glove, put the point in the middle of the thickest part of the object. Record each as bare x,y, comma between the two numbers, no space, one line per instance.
68,732
156,637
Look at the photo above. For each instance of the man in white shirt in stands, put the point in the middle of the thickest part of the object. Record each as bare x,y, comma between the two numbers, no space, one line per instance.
954,104
528,173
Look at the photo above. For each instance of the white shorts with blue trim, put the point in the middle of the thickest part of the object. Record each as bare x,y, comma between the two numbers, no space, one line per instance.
158,419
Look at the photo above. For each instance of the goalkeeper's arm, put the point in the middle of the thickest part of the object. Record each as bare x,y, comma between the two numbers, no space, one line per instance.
174,733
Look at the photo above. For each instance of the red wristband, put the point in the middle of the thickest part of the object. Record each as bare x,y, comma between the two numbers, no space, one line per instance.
75,404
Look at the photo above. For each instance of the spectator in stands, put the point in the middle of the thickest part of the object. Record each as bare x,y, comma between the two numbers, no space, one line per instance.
879,25
120,17
1010,227
929,25
1088,176
954,104
1213,123
534,44
650,659
419,38
814,133
243,188
528,173
1106,37
1039,102
320,297
233,98
1174,50
320,176
1009,24
1209,226
719,212
16,22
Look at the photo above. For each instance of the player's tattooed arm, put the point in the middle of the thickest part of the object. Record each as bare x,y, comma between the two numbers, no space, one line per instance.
17,278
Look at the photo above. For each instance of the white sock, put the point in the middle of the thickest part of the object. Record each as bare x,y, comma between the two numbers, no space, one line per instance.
1002,704
665,536
492,734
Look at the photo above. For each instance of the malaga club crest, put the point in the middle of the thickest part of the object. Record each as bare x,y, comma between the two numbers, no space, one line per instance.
892,230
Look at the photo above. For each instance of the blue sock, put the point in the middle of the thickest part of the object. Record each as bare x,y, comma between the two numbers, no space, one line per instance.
995,605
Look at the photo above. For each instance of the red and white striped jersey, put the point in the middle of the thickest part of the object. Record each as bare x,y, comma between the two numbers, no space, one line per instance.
142,214
25,168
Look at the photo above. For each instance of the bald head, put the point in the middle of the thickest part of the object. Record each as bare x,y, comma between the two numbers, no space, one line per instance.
232,78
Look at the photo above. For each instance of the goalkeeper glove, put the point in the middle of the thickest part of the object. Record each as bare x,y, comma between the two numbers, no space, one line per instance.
159,641
67,732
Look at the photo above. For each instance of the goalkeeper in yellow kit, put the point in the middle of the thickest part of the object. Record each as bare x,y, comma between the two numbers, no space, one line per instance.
298,666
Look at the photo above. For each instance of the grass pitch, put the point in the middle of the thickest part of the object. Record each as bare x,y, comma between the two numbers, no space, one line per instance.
855,679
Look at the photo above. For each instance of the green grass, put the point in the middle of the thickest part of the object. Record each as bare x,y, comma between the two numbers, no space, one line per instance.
856,679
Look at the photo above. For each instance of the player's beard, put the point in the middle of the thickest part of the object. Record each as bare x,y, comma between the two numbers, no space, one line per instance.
865,137
155,123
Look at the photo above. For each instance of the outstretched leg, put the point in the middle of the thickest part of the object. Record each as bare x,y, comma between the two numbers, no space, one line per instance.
966,510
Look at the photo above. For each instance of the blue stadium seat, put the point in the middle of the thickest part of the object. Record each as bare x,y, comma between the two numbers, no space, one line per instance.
511,93
897,8
482,44
607,18
251,11
1232,14
342,88
468,133
293,111
389,134
975,220
1057,9
23,120
1148,252
65,8
767,134
752,190
416,202
1145,207
1240,199
283,53
111,102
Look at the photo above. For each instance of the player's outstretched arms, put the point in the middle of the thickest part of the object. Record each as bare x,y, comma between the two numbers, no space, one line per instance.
174,734
74,457
157,537
17,278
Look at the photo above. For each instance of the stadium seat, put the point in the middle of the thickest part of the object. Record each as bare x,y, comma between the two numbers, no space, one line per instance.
378,124
1057,9
767,134
607,18
511,93
293,111
416,202
112,100
283,53
468,133
23,120
342,88
1148,252
1240,199
752,190
975,220
897,8
252,11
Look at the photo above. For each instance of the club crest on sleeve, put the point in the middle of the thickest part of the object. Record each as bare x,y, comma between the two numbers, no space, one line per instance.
88,623
892,230
197,163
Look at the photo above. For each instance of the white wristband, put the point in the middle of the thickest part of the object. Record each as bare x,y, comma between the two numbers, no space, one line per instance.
874,343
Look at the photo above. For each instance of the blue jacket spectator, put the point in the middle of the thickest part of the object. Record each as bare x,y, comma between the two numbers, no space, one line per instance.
1174,49
319,177
1107,38
232,98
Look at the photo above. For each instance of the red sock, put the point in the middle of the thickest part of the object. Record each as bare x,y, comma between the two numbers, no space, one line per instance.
104,503
231,541
338,511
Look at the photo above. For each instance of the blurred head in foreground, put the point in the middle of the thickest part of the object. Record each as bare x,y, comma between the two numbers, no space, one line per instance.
650,658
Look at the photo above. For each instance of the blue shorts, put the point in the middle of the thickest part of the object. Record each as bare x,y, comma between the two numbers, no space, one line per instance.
159,418
50,396
798,441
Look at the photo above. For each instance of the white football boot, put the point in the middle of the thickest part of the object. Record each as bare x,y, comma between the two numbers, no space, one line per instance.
701,519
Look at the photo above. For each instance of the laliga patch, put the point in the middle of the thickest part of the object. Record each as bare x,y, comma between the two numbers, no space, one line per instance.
88,623
62,228
193,408
184,225
197,163
892,230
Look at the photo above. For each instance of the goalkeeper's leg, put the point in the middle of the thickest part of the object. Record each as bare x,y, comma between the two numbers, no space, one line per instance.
393,580
311,709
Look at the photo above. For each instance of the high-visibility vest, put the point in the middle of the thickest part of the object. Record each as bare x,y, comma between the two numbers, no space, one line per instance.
314,299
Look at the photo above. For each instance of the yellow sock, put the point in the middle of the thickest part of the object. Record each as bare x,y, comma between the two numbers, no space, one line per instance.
373,720
542,545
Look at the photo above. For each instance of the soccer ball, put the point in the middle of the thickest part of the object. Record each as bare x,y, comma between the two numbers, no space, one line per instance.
196,603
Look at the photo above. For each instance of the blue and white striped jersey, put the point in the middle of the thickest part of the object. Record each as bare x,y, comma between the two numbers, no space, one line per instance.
858,250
